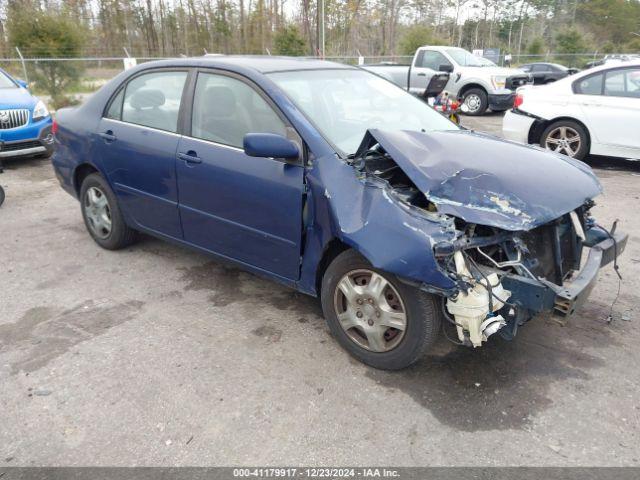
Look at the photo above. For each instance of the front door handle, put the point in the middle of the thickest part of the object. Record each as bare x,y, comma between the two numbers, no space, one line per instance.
190,157
108,136
422,74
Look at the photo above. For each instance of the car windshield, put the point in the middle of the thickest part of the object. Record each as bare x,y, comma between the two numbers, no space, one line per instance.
466,59
344,104
6,82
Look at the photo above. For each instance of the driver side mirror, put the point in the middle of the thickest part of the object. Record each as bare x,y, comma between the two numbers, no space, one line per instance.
270,145
22,83
446,67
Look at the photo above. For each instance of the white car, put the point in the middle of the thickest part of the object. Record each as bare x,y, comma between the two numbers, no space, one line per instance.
592,112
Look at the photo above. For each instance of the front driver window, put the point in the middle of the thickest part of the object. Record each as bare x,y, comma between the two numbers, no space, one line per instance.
153,100
434,60
225,109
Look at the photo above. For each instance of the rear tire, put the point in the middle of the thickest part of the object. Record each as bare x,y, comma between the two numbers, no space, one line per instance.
102,215
476,101
566,137
368,312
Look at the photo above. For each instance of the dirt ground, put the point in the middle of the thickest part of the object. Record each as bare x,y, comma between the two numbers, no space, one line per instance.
157,355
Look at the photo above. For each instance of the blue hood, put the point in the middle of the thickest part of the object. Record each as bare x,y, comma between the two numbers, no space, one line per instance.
486,180
16,98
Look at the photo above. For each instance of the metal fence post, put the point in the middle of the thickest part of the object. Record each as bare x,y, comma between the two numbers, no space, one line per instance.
24,66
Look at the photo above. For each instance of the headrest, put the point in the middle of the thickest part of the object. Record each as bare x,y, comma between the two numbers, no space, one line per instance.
147,98
219,101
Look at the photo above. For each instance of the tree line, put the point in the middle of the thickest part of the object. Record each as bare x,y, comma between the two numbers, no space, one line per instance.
352,27
168,28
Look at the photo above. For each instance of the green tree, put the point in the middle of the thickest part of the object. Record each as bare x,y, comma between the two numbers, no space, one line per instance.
570,43
417,36
49,35
288,41
536,47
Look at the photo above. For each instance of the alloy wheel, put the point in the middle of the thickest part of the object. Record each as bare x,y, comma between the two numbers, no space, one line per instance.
370,310
97,211
564,140
473,102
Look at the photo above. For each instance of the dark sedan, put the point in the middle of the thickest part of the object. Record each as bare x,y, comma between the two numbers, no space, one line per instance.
547,72
337,183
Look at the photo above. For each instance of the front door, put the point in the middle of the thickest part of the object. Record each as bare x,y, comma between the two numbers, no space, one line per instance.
425,64
241,207
137,146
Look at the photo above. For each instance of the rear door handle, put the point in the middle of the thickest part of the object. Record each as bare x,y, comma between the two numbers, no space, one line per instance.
190,157
108,136
422,74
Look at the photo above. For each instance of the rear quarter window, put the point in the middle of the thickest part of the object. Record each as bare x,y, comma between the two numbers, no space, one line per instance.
590,85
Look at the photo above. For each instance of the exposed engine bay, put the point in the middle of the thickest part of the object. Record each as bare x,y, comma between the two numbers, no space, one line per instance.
503,277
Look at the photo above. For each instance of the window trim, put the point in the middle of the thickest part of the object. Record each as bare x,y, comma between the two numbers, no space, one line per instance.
112,99
123,87
190,99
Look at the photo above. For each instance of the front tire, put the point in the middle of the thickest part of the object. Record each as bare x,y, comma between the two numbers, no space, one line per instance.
378,319
566,137
476,101
102,215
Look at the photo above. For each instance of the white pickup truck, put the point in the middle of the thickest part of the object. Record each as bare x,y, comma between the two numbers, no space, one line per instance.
478,82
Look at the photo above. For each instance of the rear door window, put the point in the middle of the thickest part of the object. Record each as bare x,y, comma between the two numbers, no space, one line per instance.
153,100
623,83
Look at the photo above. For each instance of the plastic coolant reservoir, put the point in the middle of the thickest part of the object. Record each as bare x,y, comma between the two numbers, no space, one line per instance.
470,309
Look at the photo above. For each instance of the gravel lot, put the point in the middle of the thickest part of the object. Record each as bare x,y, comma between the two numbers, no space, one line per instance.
157,355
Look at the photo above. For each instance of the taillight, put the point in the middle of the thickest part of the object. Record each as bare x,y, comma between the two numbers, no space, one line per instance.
518,100
54,127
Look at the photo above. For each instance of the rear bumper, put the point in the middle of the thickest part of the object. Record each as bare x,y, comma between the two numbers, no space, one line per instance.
538,297
516,126
500,102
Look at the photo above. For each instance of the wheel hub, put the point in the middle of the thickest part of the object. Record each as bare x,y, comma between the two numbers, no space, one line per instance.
564,140
370,310
473,102
97,212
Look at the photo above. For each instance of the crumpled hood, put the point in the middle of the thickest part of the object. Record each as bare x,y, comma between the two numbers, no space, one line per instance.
16,98
486,180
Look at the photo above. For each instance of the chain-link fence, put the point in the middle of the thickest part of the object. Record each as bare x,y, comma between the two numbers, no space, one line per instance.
92,73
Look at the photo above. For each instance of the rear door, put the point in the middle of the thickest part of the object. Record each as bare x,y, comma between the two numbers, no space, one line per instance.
614,113
137,146
241,207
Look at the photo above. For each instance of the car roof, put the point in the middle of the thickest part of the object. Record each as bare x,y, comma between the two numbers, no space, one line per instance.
608,66
259,63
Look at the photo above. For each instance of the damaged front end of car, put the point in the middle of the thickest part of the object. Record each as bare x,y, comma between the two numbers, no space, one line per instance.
520,239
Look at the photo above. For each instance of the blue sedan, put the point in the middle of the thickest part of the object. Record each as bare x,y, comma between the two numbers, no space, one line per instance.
337,183
25,123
